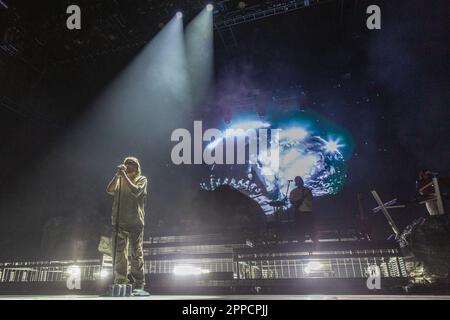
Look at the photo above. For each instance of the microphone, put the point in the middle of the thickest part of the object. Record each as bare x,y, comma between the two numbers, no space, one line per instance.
290,180
119,168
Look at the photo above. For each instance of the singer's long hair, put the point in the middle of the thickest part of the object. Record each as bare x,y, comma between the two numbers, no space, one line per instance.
135,160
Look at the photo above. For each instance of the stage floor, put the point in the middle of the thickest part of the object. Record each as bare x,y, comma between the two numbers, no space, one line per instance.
230,297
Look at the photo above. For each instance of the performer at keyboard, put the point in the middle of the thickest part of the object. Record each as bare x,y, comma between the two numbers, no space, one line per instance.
301,199
129,189
425,188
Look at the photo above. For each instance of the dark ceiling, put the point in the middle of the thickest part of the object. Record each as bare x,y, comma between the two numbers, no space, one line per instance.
35,32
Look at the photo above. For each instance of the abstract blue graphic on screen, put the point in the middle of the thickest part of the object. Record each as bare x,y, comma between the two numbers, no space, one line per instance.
310,146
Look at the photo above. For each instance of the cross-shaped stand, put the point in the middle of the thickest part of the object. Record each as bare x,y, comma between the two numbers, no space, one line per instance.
384,208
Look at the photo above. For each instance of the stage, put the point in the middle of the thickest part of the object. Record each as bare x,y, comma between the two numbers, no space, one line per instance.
230,297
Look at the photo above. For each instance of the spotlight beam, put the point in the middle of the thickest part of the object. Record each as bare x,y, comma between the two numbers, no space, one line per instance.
200,52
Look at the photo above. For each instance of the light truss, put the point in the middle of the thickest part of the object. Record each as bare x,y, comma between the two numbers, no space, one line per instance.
264,11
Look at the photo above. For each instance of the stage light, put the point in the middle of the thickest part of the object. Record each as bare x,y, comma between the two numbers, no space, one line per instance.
104,274
74,270
241,5
209,7
188,271
199,40
179,15
313,266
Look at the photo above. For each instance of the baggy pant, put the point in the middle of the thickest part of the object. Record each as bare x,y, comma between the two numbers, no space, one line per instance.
129,237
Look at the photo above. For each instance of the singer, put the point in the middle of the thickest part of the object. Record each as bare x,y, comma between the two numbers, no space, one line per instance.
129,189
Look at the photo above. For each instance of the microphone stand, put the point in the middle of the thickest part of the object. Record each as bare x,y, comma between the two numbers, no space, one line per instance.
285,200
287,191
116,231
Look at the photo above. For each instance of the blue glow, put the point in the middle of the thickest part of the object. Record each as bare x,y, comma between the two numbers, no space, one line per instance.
317,153
247,125
298,133
240,129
